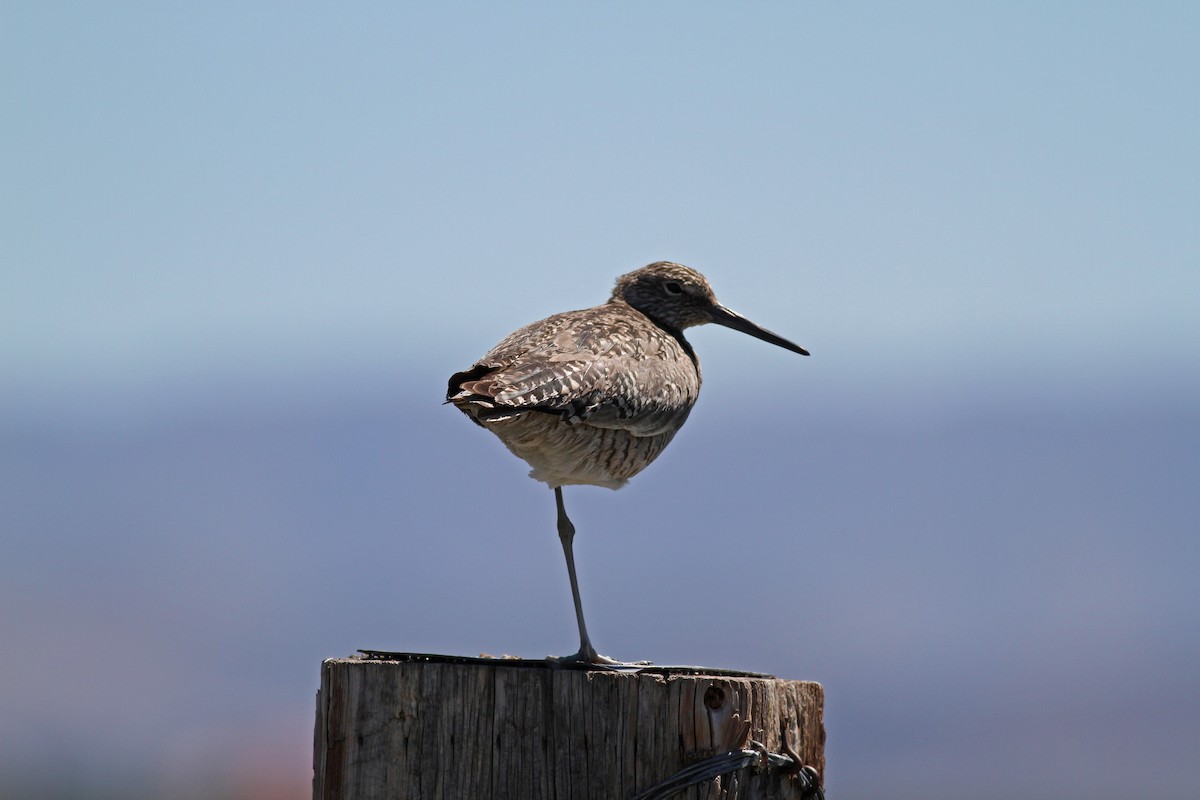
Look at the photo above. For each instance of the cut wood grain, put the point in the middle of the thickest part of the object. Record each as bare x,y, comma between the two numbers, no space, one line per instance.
455,729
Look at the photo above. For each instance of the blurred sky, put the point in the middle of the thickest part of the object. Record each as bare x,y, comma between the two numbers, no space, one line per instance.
243,245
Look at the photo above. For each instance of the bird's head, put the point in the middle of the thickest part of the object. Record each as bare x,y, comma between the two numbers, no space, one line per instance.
672,295
676,297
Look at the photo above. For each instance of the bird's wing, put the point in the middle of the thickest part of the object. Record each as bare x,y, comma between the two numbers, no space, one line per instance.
605,367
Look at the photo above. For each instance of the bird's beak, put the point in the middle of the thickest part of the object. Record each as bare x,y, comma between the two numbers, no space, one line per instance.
731,319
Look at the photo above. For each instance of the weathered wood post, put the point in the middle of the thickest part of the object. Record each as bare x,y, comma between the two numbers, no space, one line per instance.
401,726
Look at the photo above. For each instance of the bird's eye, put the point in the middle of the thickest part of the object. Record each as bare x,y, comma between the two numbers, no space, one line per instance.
673,287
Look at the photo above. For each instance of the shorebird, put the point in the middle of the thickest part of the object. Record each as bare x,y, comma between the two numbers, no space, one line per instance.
591,397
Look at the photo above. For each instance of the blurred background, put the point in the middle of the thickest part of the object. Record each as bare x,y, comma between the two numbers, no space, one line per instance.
244,245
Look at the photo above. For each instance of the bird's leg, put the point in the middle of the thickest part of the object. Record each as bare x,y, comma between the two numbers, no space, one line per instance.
566,534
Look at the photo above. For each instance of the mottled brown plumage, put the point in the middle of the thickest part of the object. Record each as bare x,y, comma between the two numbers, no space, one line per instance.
593,396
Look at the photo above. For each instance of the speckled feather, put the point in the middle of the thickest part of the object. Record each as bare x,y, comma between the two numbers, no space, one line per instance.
593,396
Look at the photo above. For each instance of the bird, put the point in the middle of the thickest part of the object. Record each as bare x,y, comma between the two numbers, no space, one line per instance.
591,397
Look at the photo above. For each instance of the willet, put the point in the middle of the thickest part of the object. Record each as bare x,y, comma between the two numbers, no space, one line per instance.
591,397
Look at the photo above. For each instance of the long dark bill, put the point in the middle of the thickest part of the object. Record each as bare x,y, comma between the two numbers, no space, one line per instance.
731,319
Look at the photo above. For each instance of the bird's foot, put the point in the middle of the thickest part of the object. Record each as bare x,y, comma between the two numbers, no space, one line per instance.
588,657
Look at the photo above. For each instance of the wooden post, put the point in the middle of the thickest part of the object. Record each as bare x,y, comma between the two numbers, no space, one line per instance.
446,728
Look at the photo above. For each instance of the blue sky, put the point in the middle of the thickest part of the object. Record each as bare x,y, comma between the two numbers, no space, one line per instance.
243,245
242,187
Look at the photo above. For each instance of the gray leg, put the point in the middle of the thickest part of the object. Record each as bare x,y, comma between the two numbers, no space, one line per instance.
566,534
